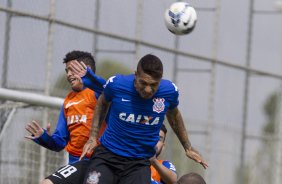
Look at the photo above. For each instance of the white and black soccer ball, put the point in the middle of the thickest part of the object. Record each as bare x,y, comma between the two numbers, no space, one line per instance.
180,18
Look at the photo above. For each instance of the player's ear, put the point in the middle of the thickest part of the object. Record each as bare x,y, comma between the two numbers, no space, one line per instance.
135,73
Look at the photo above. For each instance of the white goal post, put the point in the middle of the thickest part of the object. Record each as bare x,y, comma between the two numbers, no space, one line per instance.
31,98
28,98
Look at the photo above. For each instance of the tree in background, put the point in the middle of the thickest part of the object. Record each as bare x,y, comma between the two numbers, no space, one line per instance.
108,68
260,171
266,156
270,109
61,87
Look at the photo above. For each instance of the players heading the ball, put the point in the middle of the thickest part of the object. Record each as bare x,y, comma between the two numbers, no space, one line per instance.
139,103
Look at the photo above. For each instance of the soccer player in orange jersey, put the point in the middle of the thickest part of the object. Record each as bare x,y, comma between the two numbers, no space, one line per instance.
162,171
75,119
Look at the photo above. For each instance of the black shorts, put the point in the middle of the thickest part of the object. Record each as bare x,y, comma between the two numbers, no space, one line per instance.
70,174
108,168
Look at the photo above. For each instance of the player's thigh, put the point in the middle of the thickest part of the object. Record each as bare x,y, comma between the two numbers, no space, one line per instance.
46,181
69,174
99,172
140,175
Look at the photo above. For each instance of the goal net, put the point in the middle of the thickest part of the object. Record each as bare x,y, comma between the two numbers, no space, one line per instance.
26,162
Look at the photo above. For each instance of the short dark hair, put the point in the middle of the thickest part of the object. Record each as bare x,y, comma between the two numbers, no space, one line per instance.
151,65
191,178
86,57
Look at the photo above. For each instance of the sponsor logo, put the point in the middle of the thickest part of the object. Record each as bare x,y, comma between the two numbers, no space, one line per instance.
134,118
72,103
76,119
158,105
125,100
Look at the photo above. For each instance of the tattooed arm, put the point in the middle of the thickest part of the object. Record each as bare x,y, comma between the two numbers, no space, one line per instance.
101,110
175,120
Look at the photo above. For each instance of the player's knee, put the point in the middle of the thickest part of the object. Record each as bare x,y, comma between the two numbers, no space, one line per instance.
46,181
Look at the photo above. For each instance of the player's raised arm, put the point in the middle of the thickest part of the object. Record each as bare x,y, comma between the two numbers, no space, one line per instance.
176,122
101,110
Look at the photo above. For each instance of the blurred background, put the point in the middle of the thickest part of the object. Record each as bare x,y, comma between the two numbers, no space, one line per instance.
228,70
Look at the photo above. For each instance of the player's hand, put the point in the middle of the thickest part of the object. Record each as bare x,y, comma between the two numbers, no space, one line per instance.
88,147
36,130
194,155
78,68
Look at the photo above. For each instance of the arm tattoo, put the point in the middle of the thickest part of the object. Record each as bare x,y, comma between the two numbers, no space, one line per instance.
100,113
176,122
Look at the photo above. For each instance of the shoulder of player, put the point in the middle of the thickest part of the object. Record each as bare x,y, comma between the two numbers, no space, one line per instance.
168,86
120,79
74,93
83,94
70,94
88,91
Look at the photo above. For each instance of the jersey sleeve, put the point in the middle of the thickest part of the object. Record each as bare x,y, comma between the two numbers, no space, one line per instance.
109,88
94,82
154,182
169,165
59,139
174,97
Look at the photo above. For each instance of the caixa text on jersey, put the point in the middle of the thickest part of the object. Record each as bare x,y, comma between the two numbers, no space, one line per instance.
137,118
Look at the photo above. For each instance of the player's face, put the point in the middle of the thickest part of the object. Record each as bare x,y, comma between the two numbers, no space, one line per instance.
145,84
74,82
160,143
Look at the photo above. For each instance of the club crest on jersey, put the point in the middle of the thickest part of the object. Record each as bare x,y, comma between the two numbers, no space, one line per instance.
158,105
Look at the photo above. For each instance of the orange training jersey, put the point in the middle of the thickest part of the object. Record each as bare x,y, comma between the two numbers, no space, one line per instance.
78,110
154,173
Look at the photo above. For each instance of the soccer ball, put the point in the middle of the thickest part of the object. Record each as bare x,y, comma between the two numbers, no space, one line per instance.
180,18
